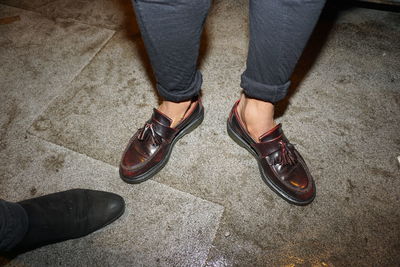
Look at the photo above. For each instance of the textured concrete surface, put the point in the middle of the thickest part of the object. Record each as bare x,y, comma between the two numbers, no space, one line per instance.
26,4
111,87
342,112
38,57
111,14
160,227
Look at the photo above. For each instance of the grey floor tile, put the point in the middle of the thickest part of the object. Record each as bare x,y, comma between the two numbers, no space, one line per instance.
39,58
111,14
104,105
25,4
161,226
341,114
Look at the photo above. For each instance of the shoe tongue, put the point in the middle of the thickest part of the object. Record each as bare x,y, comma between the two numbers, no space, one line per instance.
161,118
271,134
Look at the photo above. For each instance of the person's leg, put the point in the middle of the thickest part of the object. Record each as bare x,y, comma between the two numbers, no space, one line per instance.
279,30
56,217
171,31
13,224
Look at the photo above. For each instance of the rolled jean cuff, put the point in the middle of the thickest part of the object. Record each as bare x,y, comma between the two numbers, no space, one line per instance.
179,95
265,92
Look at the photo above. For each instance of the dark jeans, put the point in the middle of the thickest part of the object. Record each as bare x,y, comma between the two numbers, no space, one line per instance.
13,224
279,30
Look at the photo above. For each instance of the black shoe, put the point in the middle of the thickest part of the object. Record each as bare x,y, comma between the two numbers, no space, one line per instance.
66,215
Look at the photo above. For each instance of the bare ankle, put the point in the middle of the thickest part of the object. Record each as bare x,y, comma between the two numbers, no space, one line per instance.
175,111
257,116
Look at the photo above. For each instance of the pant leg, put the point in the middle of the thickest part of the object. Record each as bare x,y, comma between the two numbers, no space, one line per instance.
13,224
171,31
279,30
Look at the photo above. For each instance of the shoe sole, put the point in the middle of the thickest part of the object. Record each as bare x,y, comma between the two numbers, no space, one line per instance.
153,171
239,140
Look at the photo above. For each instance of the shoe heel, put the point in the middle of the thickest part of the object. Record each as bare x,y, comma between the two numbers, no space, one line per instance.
196,123
234,136
192,126
238,140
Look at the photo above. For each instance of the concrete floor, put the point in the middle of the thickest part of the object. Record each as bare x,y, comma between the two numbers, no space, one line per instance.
75,84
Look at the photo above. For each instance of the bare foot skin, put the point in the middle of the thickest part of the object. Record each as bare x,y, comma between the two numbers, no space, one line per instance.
175,111
257,116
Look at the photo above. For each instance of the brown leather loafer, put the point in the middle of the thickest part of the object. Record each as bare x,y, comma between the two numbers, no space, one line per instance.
281,166
150,148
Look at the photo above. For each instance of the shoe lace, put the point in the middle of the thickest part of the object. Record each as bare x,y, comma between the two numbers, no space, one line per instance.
286,156
149,130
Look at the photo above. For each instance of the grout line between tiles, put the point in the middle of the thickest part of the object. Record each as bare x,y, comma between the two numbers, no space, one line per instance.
44,108
116,168
55,18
